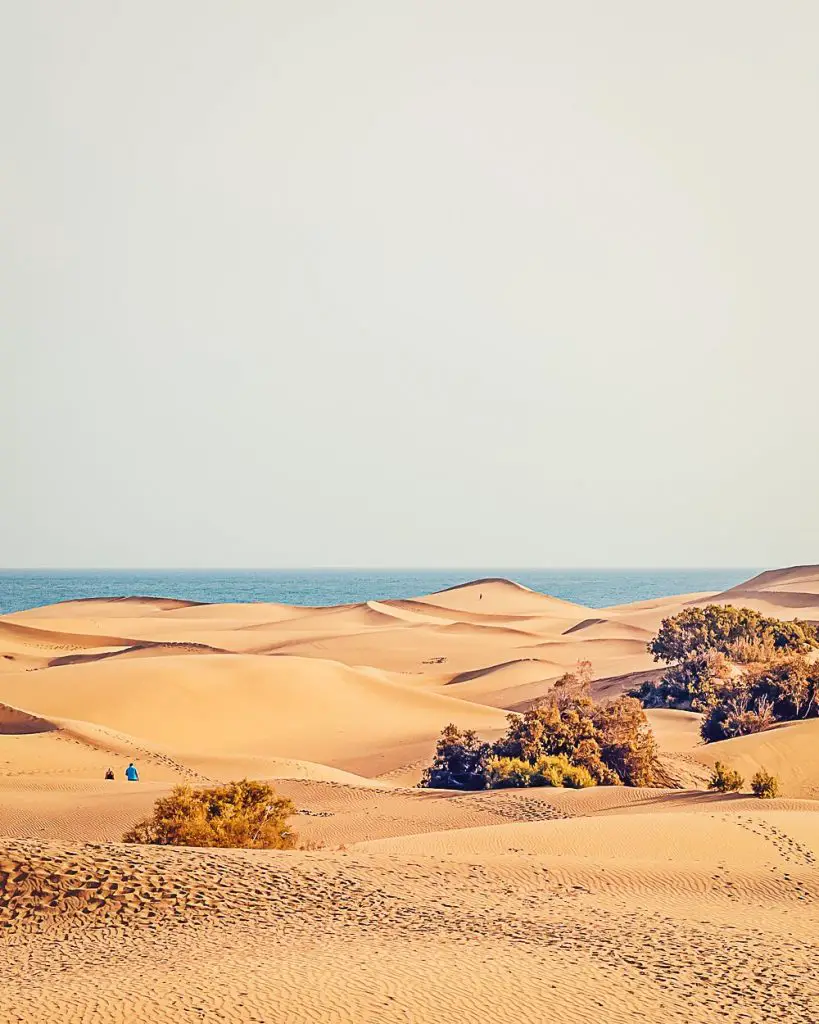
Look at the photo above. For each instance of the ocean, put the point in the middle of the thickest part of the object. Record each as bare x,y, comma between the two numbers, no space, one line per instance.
596,588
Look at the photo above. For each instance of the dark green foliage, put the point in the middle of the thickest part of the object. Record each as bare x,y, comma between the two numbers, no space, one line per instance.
564,739
696,631
708,648
713,724
460,761
725,780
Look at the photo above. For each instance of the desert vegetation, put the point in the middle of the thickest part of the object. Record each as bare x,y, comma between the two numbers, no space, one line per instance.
565,739
764,785
240,814
725,780
744,671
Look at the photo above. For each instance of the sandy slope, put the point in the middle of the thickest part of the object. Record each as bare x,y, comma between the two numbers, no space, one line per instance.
608,904
784,593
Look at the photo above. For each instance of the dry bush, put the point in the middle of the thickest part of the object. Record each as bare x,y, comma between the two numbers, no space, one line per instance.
628,747
239,814
745,718
764,785
791,683
725,780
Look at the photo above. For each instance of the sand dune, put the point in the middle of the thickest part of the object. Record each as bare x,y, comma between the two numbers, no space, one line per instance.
508,917
509,685
609,629
632,840
505,597
15,638
784,593
239,704
106,607
669,904
789,751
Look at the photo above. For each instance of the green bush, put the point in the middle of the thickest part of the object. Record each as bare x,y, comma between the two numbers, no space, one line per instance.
744,671
764,785
577,777
550,770
728,630
725,780
240,814
508,772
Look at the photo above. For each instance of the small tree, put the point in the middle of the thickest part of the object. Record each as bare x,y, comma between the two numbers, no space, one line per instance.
725,780
628,747
240,814
764,785
460,761
696,684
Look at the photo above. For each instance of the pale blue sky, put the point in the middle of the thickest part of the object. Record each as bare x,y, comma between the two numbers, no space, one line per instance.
447,282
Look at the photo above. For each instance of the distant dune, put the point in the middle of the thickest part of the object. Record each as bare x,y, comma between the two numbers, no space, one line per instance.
784,593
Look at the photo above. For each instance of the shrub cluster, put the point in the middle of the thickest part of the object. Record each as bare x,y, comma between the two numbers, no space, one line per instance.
744,671
239,814
738,633
566,739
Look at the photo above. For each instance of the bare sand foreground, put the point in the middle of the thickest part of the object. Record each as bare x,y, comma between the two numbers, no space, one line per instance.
615,905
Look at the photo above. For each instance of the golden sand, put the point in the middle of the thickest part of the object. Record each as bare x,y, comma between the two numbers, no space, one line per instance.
617,905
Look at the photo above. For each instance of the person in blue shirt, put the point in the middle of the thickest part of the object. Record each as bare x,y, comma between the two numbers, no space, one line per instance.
131,774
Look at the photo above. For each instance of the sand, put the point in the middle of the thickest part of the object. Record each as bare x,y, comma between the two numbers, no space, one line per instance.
608,904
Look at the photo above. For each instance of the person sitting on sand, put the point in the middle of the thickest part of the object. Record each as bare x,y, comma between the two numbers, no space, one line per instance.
131,774
109,773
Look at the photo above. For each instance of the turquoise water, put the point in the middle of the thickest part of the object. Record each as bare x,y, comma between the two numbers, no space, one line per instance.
597,588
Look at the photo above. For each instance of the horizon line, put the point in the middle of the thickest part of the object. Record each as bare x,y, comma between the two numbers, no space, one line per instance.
378,568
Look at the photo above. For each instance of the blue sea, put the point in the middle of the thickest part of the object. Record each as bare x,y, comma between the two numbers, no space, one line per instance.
596,588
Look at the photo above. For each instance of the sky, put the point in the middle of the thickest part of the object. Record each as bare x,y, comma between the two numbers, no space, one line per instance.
448,282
